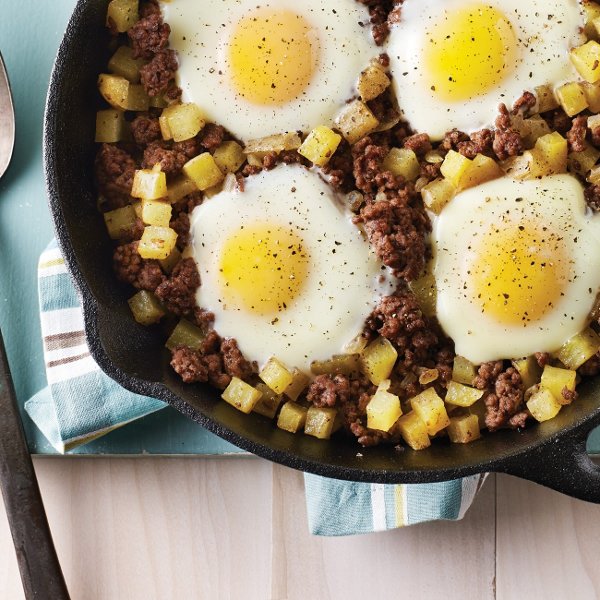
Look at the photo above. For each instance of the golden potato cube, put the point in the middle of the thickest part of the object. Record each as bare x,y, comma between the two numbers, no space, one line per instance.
158,101
320,145
299,383
137,98
529,370
383,410
455,168
425,289
344,364
120,221
464,429
404,162
269,401
480,411
437,194
186,334
355,121
157,242
169,263
137,207
431,409
482,169
278,142
110,125
592,94
203,171
459,394
292,417
536,127
122,63
320,422
149,184
543,405
591,11
256,159
579,349
550,155
586,59
378,359
155,212
463,370
229,157
546,99
572,98
163,121
276,375
582,162
114,89
414,431
595,24
555,380
372,82
184,121
241,395
146,308
122,14
180,188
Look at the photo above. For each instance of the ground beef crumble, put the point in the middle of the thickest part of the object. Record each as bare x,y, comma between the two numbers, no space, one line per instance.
178,292
131,268
114,175
149,36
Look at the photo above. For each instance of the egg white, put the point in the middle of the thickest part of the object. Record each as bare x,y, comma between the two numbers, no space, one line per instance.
545,31
200,34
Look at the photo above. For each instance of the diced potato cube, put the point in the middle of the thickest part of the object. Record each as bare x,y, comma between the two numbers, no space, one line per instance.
137,98
591,11
276,375
582,162
537,128
155,212
479,409
320,145
404,162
122,63
549,156
463,370
592,94
122,14
149,184
241,395
437,194
180,188
137,207
425,289
186,334
256,159
414,431
572,98
157,242
356,345
114,89
586,59
355,121
344,364
320,422
299,383
168,264
120,221
229,157
269,401
594,175
546,99
579,349
383,410
292,417
482,169
203,171
431,410
184,121
529,370
372,82
146,308
274,143
595,24
555,380
158,101
464,429
378,359
455,168
110,125
163,121
543,405
459,394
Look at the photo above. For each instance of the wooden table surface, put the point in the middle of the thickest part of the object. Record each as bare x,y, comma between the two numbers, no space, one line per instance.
235,528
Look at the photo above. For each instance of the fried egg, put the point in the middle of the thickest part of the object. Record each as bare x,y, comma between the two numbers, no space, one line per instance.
284,269
517,266
269,67
454,61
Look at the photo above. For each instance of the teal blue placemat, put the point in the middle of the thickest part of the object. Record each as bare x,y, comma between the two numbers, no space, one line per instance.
30,32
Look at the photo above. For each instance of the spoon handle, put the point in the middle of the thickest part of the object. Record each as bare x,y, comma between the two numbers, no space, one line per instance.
40,570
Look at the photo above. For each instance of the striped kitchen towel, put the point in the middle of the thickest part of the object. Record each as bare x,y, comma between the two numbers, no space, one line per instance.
81,403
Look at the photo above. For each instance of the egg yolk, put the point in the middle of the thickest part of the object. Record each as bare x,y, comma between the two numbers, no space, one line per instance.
272,56
469,52
262,269
519,274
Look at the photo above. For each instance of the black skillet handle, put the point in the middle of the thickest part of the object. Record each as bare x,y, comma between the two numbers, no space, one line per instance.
40,570
562,464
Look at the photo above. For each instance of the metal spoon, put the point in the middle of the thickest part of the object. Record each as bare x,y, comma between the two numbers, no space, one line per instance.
40,570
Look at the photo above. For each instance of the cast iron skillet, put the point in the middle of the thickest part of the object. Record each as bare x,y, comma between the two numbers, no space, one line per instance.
552,453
